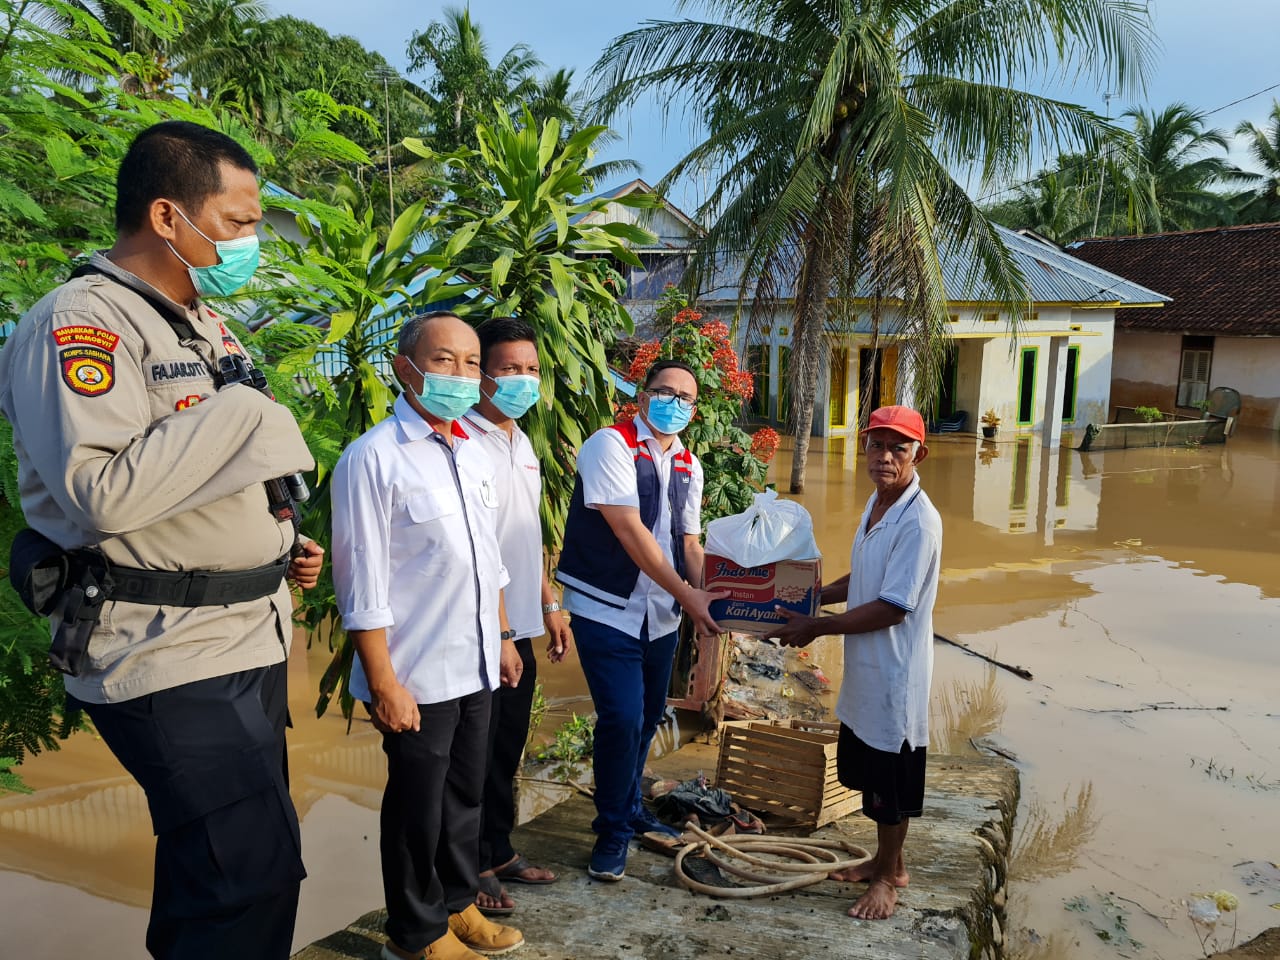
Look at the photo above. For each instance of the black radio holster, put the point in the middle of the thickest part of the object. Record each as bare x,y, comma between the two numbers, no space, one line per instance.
67,586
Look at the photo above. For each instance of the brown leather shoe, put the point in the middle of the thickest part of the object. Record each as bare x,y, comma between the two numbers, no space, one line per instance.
447,947
481,934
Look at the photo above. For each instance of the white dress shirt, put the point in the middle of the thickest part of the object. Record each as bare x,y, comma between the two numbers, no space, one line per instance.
519,478
884,698
415,551
608,471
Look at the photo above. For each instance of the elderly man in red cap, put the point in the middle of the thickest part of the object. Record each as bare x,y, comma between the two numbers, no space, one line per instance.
888,650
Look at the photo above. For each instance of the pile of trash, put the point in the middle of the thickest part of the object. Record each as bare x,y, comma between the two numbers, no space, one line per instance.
765,681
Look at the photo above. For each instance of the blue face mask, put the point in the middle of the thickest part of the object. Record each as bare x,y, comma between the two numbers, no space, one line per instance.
445,397
237,261
668,415
515,395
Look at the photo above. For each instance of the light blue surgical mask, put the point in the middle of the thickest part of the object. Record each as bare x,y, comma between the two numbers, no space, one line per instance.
445,397
237,261
514,395
668,413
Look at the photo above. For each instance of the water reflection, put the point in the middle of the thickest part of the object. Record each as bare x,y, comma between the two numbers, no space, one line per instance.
1055,555
1047,845
963,713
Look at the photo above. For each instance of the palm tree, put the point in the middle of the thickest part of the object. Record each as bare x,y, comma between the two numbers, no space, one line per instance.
836,124
465,83
1263,204
1170,174
1058,203
555,98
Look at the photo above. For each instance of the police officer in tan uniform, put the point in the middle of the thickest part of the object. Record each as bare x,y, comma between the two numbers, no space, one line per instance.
137,455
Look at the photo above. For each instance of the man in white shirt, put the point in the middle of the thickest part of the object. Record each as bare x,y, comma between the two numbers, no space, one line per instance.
510,375
888,650
631,560
418,578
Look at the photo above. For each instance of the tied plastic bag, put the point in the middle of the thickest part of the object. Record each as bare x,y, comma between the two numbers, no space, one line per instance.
768,531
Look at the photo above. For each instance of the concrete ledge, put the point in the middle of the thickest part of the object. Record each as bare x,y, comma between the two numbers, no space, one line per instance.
957,855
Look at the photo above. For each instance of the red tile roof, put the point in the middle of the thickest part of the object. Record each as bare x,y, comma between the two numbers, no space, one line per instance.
1224,281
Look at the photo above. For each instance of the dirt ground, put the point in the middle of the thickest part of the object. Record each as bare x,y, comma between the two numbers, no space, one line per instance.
1265,946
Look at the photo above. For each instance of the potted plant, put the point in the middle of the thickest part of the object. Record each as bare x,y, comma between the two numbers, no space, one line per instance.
990,420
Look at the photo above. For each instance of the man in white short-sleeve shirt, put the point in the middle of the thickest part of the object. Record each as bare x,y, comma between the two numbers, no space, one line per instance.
510,384
418,577
888,650
631,561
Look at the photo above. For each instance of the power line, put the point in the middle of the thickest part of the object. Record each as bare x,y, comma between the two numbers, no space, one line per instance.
1049,173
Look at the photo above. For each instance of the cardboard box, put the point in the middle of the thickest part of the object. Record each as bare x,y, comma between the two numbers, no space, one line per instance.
755,591
785,769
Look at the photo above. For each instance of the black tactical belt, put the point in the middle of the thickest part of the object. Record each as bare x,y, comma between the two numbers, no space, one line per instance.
195,588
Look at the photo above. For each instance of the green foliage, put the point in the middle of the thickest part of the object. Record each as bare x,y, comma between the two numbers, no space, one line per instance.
537,712
31,693
463,83
734,463
66,122
1162,175
1149,414
571,746
1262,204
530,254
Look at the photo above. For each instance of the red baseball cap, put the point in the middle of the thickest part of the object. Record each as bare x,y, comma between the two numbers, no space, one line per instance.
901,420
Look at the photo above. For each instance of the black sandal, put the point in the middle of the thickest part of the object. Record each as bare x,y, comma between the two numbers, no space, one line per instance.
510,872
491,886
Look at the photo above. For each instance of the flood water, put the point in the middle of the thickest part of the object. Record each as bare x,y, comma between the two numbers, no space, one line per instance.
1125,581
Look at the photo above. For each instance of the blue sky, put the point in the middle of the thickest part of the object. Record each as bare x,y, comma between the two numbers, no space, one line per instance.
1211,52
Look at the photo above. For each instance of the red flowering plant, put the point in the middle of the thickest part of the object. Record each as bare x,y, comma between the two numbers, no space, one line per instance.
734,462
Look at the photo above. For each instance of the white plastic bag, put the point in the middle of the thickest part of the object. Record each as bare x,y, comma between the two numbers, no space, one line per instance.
768,531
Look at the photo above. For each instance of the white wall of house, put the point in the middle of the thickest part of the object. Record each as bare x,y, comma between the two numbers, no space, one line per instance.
1147,366
1249,365
1144,370
988,374
1029,488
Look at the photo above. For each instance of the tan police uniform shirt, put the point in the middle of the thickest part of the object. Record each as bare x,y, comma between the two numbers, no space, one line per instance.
124,445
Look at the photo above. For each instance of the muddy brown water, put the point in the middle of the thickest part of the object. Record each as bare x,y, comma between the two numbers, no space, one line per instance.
1124,581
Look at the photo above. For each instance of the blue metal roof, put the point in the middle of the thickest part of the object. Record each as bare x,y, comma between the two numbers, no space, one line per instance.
1052,275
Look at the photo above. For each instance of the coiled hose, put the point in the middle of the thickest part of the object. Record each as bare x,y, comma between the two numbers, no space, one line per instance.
813,860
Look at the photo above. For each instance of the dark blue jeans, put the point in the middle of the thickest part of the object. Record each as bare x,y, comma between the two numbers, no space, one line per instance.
628,679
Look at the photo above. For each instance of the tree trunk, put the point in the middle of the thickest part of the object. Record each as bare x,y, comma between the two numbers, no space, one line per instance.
808,347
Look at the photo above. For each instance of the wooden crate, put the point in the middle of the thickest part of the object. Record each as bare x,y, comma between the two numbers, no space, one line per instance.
785,768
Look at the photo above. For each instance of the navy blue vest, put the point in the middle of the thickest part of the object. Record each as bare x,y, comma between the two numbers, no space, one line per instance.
592,561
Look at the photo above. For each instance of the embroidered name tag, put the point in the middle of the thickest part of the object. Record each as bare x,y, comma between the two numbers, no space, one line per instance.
165,372
90,336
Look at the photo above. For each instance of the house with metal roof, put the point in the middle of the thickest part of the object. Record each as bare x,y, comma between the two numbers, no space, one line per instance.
1221,329
1052,374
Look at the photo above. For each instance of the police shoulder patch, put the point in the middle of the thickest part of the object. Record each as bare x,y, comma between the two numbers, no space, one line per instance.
87,370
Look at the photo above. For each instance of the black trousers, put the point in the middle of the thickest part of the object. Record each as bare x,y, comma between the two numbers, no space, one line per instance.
210,756
431,818
508,732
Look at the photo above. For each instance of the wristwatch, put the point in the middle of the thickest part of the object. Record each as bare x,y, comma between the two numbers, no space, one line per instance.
551,607
508,634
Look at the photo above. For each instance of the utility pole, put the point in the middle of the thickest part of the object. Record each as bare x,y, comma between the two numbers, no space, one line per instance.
386,75
1102,178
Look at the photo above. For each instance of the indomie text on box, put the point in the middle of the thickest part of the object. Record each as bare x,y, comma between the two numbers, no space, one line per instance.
756,591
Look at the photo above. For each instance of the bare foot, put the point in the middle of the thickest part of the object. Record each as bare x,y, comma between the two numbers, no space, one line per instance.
878,903
864,872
